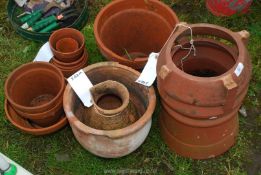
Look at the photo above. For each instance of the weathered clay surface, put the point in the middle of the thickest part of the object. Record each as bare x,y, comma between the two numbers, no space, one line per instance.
201,98
112,107
128,31
119,142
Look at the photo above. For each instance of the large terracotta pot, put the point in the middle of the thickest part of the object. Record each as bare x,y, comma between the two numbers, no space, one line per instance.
70,44
35,90
128,31
118,142
202,94
228,7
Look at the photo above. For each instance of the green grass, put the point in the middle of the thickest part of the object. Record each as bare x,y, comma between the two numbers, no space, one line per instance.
60,153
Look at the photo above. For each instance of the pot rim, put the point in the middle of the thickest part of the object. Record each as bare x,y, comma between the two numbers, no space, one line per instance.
235,38
75,63
58,95
111,112
37,131
71,30
74,121
106,49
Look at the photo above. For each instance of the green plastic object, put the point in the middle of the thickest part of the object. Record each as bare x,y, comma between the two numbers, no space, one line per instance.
11,171
50,27
13,11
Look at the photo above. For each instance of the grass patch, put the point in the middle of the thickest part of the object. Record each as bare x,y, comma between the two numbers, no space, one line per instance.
60,153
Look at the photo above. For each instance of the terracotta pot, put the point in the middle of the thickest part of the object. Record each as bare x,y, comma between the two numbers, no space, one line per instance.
70,68
228,7
119,142
67,45
128,31
201,96
34,89
58,37
46,118
112,108
29,127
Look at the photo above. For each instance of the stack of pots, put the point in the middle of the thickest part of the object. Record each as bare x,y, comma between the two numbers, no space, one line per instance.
120,118
34,98
202,95
128,31
68,47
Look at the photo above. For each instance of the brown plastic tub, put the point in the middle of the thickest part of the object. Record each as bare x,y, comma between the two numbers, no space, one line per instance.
35,88
128,31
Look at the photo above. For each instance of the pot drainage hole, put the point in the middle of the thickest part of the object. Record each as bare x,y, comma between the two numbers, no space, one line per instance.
41,99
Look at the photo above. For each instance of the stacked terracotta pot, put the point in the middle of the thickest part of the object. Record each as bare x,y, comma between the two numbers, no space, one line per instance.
120,118
128,31
68,47
34,94
201,94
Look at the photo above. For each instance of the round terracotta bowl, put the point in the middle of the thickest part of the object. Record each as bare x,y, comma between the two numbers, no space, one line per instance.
58,37
29,127
35,88
67,45
128,31
118,142
70,68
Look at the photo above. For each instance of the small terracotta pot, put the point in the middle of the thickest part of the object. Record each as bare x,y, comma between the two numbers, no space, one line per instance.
67,33
29,127
118,142
35,88
70,68
133,29
67,45
111,108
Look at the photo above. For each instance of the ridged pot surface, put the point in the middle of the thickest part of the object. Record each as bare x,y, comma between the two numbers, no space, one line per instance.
119,142
128,31
208,82
202,93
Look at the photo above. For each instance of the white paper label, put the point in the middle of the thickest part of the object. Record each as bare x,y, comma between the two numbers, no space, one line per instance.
45,53
239,69
81,85
20,3
149,72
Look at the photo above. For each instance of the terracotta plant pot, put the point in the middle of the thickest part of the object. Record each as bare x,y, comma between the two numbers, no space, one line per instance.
60,38
228,7
35,90
69,69
202,94
29,127
67,45
128,31
112,108
118,142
